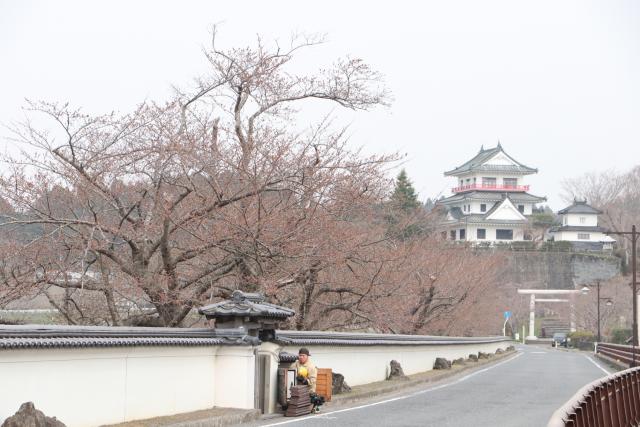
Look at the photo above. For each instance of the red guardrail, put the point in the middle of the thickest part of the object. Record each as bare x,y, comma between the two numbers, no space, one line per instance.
619,352
608,402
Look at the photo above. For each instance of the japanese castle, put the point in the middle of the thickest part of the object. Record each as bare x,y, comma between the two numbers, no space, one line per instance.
490,203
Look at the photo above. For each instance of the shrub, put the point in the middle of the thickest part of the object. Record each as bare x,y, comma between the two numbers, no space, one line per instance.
582,340
561,246
620,335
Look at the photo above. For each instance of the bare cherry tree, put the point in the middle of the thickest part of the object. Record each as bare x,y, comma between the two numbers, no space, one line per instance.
157,210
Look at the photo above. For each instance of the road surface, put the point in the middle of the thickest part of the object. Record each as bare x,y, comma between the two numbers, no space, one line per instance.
520,391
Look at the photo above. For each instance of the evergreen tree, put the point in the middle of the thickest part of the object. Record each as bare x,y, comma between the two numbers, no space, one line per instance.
429,205
404,195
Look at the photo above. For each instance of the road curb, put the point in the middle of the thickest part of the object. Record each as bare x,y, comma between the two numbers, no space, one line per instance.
611,361
199,419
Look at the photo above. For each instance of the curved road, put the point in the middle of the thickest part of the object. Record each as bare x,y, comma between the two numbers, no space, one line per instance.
520,391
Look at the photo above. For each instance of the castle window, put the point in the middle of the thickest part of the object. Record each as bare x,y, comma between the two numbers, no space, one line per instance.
483,207
504,234
583,220
510,182
482,234
521,208
583,236
462,234
488,182
453,234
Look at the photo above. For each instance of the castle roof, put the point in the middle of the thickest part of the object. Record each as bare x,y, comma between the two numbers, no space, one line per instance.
512,217
579,228
580,207
492,196
482,163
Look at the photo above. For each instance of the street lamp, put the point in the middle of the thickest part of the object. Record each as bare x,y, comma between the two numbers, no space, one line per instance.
634,328
607,301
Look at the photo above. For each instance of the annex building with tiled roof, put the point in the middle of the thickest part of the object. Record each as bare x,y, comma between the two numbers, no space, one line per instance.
490,202
580,227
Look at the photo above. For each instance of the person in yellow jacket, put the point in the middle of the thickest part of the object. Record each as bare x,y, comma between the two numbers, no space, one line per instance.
306,371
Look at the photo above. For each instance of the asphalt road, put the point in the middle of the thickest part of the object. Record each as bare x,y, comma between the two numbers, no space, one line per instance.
521,391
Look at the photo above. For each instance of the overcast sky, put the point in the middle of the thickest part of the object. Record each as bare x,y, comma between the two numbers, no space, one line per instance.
557,82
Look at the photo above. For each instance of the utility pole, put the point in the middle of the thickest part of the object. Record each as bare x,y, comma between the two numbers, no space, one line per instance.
598,287
608,302
634,333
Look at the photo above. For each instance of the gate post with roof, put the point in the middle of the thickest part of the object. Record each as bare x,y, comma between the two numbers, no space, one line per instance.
258,319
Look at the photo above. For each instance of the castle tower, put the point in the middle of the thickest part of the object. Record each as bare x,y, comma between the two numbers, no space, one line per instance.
491,202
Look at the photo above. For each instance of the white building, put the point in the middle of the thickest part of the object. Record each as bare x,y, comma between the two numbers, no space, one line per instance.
491,202
580,227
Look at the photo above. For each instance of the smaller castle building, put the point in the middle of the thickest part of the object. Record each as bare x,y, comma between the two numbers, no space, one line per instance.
580,227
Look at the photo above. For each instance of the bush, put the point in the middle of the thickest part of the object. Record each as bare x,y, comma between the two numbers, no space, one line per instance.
620,336
582,340
561,246
523,246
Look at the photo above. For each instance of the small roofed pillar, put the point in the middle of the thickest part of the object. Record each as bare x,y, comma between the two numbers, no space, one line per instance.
249,312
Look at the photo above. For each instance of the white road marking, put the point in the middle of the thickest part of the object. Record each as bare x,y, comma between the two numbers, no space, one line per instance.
417,393
595,363
538,352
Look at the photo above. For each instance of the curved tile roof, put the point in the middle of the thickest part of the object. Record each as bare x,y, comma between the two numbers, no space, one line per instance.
286,357
79,342
244,304
492,196
585,229
477,164
579,207
62,336
346,338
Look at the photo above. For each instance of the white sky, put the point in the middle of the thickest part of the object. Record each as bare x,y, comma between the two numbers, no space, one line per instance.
557,82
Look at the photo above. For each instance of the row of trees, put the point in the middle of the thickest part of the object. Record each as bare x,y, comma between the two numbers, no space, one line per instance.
138,218
617,194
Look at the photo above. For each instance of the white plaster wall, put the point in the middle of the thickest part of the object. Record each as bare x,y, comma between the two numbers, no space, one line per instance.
572,236
168,380
89,387
528,208
500,159
471,234
235,375
591,220
506,211
366,364
518,233
475,206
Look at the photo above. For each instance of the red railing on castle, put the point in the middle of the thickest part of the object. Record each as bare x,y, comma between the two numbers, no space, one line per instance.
486,187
